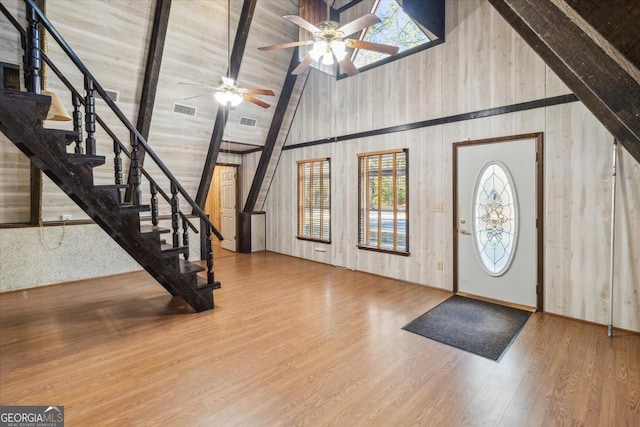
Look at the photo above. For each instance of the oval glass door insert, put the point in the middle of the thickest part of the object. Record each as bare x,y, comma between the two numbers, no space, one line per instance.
495,220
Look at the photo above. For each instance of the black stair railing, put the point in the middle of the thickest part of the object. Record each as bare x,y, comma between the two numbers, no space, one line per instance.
33,56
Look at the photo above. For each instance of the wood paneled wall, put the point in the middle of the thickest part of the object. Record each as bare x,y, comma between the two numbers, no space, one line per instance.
14,176
482,64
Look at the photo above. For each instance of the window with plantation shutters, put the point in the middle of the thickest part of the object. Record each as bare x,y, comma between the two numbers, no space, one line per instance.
314,200
383,200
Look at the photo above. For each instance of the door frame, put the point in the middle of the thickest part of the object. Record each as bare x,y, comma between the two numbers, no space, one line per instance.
539,183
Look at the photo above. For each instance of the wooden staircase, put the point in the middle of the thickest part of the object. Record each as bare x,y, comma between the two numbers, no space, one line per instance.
21,118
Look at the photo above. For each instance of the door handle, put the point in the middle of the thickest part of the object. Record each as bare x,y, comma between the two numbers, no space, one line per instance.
465,232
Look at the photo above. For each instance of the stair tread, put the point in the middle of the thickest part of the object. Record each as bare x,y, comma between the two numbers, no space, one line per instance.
134,208
42,102
189,267
69,135
83,159
153,229
14,93
168,249
204,284
110,186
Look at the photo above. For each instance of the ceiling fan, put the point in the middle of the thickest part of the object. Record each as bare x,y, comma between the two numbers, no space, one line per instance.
329,41
229,93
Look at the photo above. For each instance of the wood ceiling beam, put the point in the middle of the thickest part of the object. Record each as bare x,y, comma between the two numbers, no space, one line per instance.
272,135
151,76
239,43
616,21
152,71
596,78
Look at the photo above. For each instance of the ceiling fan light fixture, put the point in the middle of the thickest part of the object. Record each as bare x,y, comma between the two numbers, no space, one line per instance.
319,49
339,49
225,97
235,99
222,97
327,59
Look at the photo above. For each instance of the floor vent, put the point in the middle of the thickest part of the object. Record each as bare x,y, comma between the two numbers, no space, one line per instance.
112,94
184,109
249,122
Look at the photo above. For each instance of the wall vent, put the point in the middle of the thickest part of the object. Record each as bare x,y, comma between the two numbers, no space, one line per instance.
112,94
184,109
247,121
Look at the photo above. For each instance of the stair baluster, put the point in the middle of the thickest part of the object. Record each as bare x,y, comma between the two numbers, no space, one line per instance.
175,215
90,116
154,205
32,54
135,171
117,166
208,241
77,123
185,237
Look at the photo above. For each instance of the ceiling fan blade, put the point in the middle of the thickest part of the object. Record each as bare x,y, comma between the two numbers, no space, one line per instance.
268,92
302,23
376,47
286,45
256,101
302,67
348,67
359,24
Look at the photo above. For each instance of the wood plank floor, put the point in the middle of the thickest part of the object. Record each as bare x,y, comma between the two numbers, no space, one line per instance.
292,342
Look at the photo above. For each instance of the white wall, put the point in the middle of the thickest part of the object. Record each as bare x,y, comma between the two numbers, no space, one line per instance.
38,256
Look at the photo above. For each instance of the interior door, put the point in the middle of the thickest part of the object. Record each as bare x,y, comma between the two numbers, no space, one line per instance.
497,237
228,206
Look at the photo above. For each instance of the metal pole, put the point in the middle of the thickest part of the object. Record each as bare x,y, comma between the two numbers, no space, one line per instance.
613,230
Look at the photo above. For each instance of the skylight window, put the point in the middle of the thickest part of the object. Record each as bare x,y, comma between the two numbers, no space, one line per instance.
396,29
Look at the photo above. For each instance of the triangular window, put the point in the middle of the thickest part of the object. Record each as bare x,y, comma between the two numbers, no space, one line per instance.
396,29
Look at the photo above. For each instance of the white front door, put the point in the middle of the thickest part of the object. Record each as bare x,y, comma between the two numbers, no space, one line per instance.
496,220
228,208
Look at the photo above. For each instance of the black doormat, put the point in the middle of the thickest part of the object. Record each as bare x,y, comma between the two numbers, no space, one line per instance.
479,327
